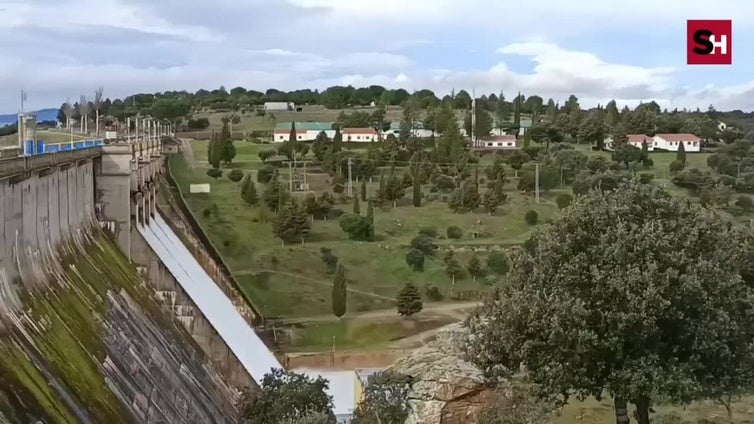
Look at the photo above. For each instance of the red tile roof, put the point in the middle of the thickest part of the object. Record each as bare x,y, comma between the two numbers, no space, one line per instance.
499,138
678,137
637,138
359,131
284,132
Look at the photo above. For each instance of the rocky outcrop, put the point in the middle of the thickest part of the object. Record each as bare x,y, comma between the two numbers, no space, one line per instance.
447,389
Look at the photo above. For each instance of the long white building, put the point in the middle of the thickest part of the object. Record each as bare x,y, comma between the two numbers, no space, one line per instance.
665,142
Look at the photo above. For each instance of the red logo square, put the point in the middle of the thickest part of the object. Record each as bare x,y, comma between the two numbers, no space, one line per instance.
709,42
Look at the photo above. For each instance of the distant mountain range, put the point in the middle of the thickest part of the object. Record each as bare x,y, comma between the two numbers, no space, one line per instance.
42,115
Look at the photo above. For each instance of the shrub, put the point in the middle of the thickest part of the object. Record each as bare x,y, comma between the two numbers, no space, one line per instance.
531,217
429,232
356,226
265,174
215,173
563,200
338,188
445,182
745,203
433,293
433,189
415,259
498,263
676,166
207,213
646,178
424,244
235,175
454,232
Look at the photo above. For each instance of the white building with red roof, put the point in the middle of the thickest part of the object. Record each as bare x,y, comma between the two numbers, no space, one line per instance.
495,142
359,135
661,142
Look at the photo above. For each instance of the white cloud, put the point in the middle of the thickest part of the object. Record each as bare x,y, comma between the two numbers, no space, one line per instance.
141,45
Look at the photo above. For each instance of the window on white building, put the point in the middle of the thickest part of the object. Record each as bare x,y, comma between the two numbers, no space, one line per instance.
696,143
489,144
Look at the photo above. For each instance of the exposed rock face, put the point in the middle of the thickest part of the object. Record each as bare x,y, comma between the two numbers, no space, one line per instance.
447,389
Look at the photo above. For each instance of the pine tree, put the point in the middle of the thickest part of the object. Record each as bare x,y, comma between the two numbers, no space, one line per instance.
249,191
409,300
644,151
363,190
337,140
291,222
681,155
491,201
339,294
272,193
417,197
370,218
214,151
356,206
452,267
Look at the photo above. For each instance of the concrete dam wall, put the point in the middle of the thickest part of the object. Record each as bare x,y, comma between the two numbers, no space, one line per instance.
82,337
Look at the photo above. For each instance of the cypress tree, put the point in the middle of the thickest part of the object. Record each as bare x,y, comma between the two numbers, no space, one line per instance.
339,292
499,187
644,151
417,193
336,141
249,191
356,207
370,218
225,143
681,155
363,190
409,300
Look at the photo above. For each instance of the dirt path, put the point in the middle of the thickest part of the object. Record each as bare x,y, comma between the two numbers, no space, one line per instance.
453,310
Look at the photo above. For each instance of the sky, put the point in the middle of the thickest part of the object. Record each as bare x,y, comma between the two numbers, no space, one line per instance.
598,50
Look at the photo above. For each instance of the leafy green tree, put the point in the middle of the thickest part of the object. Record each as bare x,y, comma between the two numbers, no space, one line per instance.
549,178
474,267
465,198
424,243
415,259
454,232
170,109
627,154
491,201
681,154
517,159
385,399
563,200
409,300
680,282
394,190
249,191
592,130
319,146
291,223
483,123
235,175
286,398
356,226
745,203
273,193
363,190
265,174
339,293
215,173
452,267
266,154
498,263
676,166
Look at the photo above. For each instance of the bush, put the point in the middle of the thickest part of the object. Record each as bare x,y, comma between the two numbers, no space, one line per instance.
265,174
338,188
198,124
563,200
745,203
429,232
356,226
415,259
235,175
498,263
445,182
433,293
215,173
424,244
676,166
531,217
646,178
454,232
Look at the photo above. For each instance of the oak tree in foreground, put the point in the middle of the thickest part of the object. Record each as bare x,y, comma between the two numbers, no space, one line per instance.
630,293
385,399
288,398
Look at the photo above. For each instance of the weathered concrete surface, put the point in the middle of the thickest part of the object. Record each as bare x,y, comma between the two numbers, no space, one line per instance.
88,343
447,389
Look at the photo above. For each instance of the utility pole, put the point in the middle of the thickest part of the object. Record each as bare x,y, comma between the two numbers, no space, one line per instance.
22,123
536,182
350,188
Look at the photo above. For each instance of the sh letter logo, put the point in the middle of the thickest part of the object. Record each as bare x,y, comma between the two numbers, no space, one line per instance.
709,42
